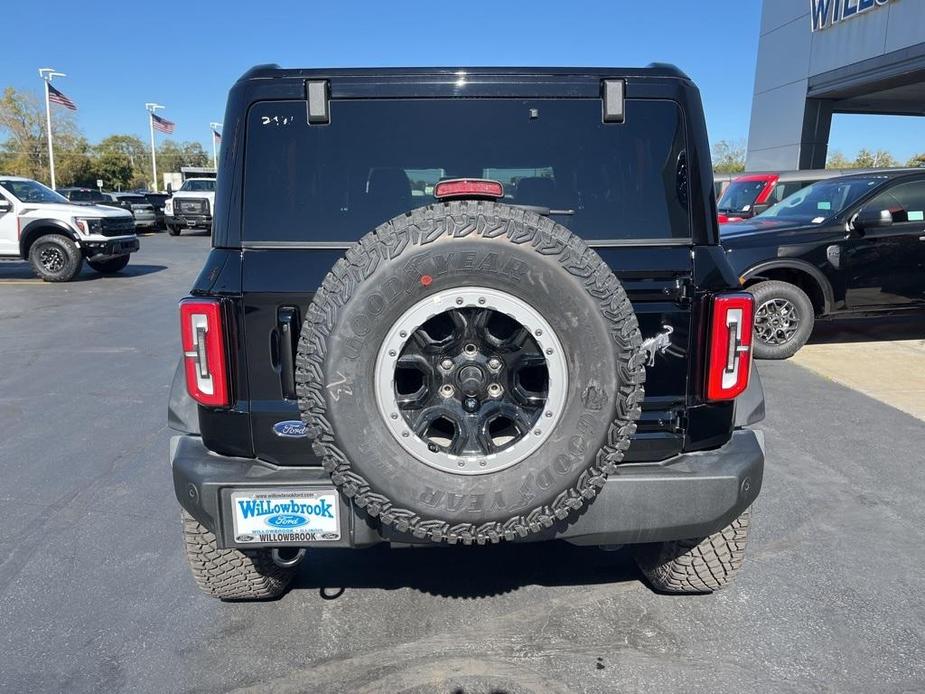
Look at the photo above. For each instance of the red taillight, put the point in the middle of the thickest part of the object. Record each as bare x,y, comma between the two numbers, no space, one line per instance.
204,351
468,187
730,357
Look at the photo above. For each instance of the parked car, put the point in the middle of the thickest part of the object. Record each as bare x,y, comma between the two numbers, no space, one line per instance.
84,196
56,236
191,206
363,365
158,200
138,205
721,181
851,245
751,194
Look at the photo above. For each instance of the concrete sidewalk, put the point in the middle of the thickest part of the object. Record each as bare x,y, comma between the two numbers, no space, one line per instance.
866,355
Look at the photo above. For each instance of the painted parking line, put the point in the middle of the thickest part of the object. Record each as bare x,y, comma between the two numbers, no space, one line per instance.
891,372
36,281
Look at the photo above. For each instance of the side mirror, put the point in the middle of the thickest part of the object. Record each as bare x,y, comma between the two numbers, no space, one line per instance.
169,189
872,218
5,205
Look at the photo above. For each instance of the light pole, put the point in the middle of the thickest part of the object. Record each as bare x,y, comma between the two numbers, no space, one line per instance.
48,74
152,108
214,128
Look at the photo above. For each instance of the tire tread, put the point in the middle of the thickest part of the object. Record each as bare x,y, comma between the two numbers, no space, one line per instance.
418,228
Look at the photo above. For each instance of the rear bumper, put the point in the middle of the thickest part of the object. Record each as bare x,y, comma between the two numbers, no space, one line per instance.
691,495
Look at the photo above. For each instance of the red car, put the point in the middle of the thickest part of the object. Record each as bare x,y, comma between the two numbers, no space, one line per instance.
752,194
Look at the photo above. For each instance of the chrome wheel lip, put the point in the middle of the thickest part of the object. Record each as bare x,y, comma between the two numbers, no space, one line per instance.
776,321
453,299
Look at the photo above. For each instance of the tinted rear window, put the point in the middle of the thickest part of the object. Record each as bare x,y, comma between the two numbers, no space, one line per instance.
379,158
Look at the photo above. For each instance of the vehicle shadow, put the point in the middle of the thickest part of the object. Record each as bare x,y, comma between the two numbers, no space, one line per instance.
909,326
130,270
462,572
22,270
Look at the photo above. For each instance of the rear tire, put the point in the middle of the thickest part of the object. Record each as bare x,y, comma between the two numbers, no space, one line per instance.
173,230
699,565
232,574
108,267
785,339
55,258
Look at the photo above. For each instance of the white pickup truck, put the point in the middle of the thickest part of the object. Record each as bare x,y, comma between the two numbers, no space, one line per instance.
191,206
56,236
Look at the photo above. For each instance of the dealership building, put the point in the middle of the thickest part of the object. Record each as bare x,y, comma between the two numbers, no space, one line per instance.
817,58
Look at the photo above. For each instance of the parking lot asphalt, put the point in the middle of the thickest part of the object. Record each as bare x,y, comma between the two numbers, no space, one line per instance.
95,594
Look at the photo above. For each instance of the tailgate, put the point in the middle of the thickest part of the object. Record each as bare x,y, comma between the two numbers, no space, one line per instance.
275,303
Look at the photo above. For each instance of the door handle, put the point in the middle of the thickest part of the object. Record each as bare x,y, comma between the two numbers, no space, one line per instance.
287,321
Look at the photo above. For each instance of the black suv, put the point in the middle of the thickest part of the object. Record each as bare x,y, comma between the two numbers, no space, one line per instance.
853,245
464,306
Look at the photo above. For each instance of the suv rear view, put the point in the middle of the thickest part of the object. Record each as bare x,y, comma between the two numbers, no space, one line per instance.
464,306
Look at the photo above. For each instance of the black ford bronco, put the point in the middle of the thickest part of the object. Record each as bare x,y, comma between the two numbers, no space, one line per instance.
464,306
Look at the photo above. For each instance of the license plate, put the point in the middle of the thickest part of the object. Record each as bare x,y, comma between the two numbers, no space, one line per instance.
285,516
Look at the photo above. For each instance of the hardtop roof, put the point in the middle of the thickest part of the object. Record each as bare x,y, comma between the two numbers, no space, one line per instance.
273,71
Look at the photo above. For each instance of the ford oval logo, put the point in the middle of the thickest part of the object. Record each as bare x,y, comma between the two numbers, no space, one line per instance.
290,429
287,520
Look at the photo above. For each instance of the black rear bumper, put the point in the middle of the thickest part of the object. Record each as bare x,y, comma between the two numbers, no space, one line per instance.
688,496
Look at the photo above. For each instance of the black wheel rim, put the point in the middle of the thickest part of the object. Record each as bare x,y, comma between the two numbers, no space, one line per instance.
52,258
473,386
471,382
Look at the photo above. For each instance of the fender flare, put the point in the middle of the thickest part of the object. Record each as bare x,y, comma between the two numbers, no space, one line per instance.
828,296
34,229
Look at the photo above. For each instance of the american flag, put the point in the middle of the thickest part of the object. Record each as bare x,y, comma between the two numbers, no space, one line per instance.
56,97
217,135
162,124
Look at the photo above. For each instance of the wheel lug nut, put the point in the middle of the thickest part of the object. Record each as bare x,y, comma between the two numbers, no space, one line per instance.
494,363
470,350
495,390
446,364
446,390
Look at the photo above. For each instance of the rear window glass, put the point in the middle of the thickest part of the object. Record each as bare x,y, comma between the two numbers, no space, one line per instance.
379,158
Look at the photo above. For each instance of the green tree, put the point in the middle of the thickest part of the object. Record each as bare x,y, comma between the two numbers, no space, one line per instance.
837,160
132,148
918,161
874,160
172,155
75,165
22,119
729,157
115,168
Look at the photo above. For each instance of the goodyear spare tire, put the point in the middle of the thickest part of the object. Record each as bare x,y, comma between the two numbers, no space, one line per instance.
470,372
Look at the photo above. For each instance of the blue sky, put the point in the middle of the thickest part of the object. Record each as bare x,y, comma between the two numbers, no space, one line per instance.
186,55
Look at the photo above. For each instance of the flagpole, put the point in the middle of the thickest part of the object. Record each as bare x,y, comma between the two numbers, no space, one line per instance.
152,107
47,73
212,128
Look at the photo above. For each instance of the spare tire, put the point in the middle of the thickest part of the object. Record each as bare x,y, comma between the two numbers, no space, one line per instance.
470,372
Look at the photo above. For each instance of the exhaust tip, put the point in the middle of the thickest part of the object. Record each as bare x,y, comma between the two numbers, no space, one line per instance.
287,557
